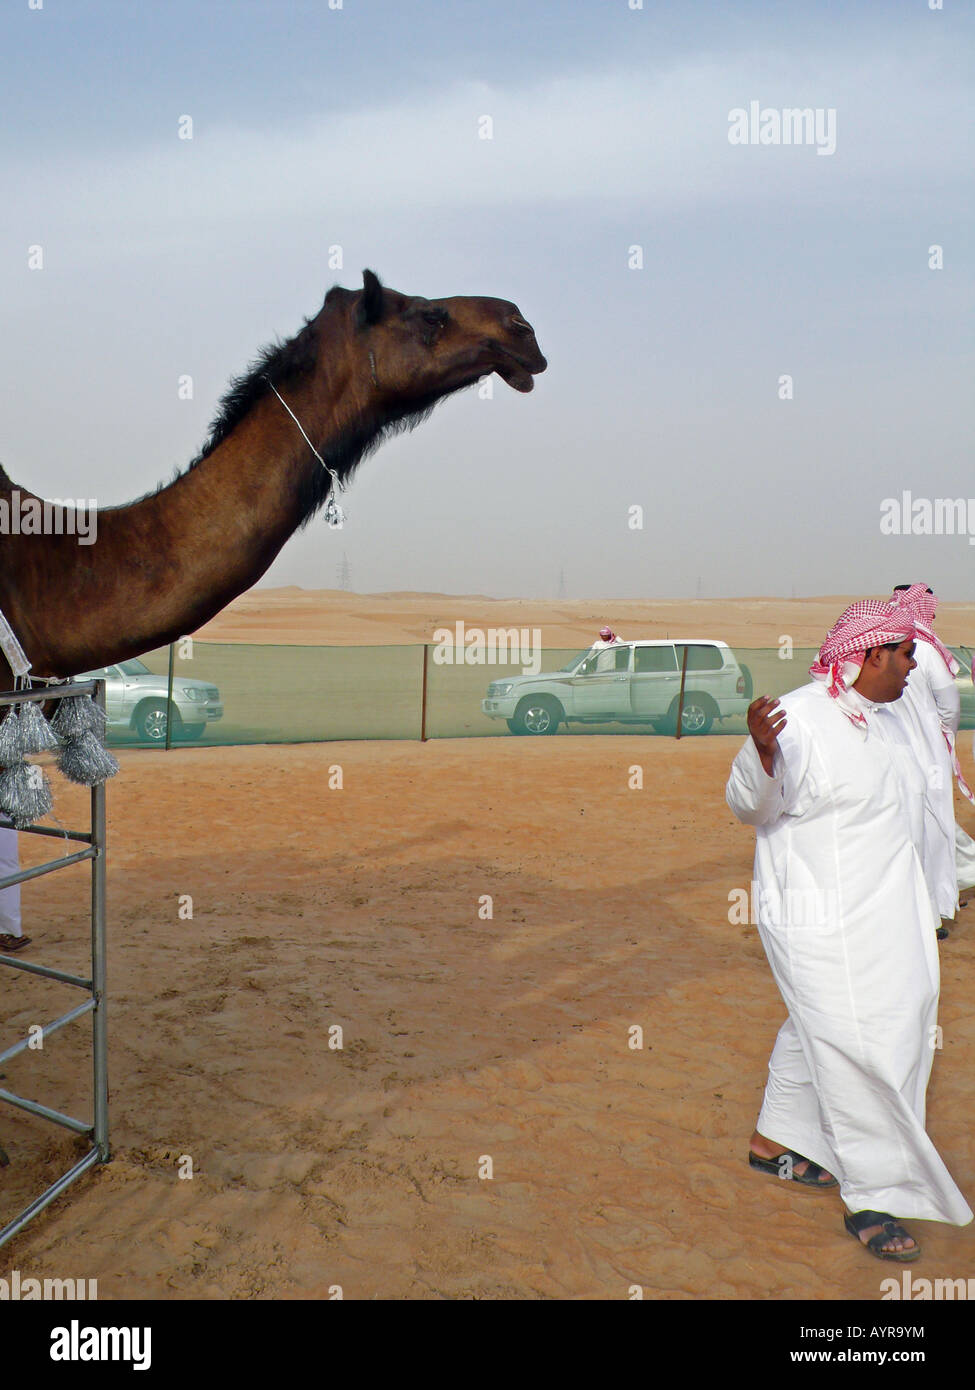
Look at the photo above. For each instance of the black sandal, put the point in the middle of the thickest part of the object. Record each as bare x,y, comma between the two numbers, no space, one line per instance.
856,1222
9,942
810,1178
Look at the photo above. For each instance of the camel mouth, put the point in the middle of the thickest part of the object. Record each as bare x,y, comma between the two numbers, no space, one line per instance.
517,377
515,370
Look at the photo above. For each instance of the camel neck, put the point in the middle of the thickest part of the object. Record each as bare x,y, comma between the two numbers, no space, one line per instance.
334,515
233,511
163,566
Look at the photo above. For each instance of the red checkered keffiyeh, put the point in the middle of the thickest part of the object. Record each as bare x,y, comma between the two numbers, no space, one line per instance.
867,623
922,607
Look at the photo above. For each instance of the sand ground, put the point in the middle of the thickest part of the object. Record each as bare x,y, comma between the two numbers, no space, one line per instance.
464,1038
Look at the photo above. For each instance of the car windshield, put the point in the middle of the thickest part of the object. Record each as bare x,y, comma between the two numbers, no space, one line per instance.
134,667
571,665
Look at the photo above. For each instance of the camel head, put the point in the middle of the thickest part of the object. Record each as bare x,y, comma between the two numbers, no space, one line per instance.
417,350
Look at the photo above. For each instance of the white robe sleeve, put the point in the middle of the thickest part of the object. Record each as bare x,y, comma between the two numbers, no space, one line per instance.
948,700
754,796
940,685
758,799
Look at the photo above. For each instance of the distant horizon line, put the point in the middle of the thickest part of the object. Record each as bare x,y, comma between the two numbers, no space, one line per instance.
582,598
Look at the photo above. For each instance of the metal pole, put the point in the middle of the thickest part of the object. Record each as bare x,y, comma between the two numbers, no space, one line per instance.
24,875
46,1198
47,971
44,693
46,1030
58,834
98,960
169,698
680,697
97,1004
34,1108
423,704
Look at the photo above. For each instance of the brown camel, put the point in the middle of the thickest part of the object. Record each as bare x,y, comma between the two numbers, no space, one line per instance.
370,363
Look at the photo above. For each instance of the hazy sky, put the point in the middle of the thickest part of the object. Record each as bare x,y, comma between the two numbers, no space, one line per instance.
358,127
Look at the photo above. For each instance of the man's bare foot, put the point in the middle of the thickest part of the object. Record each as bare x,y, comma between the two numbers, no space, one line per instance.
767,1148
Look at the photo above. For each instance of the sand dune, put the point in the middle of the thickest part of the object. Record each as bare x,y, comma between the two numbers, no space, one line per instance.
327,616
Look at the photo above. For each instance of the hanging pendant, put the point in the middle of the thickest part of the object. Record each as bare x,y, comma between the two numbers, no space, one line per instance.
334,515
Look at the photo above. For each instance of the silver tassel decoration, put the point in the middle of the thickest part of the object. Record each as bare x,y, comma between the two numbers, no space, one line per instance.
36,735
25,794
77,731
83,759
78,715
11,751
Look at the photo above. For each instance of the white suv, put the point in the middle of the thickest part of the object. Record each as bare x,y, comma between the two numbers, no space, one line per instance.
136,699
627,683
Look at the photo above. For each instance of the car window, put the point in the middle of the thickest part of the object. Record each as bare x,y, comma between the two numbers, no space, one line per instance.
701,658
571,665
650,659
134,667
613,659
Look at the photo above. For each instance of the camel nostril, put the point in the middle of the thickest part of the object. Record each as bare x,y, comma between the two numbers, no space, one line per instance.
518,324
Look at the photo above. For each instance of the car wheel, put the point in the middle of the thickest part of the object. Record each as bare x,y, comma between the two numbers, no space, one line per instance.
150,722
538,714
697,715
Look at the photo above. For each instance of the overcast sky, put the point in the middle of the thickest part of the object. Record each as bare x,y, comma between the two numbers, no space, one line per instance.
358,127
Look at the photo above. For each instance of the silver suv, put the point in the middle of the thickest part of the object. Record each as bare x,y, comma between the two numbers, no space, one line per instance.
135,700
627,683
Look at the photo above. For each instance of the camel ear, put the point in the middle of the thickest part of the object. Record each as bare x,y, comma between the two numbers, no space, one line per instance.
370,308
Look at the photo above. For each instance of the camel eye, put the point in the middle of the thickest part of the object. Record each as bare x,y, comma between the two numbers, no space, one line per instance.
436,318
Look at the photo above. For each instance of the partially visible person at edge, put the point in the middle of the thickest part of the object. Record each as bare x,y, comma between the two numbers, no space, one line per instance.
931,709
964,844
829,780
12,936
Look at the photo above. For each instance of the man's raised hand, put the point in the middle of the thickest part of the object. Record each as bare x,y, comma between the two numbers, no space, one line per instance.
766,720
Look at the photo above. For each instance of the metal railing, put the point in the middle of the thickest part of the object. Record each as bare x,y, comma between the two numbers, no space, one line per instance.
93,984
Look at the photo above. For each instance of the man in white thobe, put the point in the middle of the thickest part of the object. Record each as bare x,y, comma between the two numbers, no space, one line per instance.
830,782
930,710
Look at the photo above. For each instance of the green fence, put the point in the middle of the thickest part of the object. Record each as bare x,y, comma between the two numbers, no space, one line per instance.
299,694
